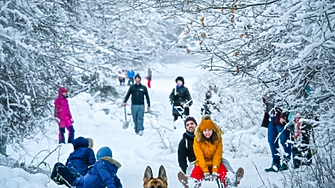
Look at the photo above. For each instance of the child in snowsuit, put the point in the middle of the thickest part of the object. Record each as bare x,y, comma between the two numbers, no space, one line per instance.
208,151
83,155
63,115
102,173
77,163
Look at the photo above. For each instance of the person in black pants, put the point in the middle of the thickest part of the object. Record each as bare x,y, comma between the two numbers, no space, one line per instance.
137,92
180,99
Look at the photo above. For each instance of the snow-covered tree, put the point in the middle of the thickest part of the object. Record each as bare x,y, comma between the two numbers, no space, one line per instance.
78,44
284,47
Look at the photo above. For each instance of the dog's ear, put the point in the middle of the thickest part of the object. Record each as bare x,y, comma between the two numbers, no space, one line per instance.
162,174
147,174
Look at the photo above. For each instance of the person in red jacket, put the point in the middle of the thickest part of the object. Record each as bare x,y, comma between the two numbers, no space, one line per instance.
63,116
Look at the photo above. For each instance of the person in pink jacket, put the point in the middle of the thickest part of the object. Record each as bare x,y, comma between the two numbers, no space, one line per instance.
63,116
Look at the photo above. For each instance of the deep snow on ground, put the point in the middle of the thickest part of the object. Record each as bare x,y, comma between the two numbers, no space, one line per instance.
158,145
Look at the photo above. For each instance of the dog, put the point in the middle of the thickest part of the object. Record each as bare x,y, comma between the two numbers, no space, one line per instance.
159,182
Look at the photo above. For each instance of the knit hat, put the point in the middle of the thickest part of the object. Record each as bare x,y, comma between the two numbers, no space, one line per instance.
190,118
206,123
104,152
137,76
181,79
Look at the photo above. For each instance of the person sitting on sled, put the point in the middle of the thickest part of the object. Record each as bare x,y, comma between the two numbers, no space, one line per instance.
185,147
77,163
208,151
102,174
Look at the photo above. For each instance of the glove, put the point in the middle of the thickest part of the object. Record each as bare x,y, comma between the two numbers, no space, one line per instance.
171,102
57,120
215,175
207,176
186,106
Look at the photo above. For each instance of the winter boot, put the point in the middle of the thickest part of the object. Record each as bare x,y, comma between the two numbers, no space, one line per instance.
283,167
274,168
238,176
183,179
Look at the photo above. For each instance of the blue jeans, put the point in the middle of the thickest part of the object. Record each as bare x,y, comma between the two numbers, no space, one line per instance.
284,135
137,112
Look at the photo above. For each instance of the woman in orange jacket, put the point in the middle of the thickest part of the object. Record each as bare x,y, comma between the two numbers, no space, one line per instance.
208,151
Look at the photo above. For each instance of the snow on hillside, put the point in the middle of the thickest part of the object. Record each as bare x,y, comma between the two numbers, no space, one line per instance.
158,145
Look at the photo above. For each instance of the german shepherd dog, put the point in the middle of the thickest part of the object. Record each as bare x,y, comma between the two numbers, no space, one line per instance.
159,182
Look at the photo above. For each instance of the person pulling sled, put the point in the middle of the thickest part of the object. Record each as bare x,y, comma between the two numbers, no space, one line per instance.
180,99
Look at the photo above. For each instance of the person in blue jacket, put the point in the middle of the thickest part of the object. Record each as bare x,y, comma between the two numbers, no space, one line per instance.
102,174
130,74
83,156
77,163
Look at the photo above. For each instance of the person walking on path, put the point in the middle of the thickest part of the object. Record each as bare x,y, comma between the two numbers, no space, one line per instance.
130,75
138,92
180,99
149,77
63,116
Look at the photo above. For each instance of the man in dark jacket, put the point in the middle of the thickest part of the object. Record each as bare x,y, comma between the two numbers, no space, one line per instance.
180,99
137,92
185,147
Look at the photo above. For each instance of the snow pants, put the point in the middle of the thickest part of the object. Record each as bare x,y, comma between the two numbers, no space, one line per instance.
198,174
137,112
275,132
149,83
61,137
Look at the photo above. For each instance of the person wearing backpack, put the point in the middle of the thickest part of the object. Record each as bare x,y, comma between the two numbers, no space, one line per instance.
180,99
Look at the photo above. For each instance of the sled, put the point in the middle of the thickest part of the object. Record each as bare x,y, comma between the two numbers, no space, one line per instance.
181,110
184,181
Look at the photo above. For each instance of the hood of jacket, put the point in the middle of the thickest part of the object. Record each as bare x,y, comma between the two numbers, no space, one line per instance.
201,138
61,90
111,160
82,142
